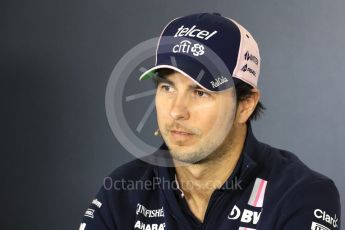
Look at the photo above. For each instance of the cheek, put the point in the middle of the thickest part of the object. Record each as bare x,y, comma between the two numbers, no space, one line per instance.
227,121
205,116
162,111
217,118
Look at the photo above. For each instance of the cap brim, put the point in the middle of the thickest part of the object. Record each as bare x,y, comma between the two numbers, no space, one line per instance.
148,74
151,72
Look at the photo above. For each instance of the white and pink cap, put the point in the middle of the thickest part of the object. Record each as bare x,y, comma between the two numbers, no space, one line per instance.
210,49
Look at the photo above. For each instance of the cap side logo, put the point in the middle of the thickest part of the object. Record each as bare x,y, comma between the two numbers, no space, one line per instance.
245,68
248,56
219,81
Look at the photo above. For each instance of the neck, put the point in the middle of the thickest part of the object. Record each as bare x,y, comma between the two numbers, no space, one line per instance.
198,181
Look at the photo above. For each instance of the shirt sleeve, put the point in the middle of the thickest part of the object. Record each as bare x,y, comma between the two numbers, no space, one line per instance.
98,216
314,206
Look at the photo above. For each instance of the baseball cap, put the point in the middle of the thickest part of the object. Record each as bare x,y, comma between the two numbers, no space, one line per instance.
212,50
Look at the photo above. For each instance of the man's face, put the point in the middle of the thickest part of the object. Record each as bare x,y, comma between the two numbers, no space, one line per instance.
193,122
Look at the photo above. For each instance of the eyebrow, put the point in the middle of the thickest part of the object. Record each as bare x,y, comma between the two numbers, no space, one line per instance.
163,80
160,79
195,86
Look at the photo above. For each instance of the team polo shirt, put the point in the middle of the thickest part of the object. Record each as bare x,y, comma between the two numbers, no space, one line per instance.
269,189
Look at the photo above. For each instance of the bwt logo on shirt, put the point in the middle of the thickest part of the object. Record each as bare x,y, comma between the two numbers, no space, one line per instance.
247,216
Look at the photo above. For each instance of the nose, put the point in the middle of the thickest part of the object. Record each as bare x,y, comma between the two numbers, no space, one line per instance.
179,108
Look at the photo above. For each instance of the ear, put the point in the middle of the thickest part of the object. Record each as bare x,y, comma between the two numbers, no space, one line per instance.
246,106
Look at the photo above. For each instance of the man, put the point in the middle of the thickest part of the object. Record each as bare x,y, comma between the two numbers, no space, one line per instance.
206,75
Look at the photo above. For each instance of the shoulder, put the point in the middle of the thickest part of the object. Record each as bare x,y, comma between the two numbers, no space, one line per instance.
119,195
134,178
118,192
300,173
297,193
286,166
136,169
289,178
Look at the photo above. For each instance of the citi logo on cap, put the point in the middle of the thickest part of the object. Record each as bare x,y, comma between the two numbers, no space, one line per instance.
185,46
193,32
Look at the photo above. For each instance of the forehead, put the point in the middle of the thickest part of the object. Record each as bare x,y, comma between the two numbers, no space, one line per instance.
175,78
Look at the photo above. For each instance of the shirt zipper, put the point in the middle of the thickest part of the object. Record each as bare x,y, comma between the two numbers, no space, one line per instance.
212,204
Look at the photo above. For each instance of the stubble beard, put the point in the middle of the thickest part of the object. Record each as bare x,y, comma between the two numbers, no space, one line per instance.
210,148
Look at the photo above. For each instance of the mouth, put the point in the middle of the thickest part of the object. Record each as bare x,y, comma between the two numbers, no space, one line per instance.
180,132
180,135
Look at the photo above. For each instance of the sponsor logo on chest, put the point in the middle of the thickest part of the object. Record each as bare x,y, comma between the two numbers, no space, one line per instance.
245,216
153,224
322,215
141,225
317,226
256,200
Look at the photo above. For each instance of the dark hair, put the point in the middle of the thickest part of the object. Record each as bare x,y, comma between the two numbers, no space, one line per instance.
243,91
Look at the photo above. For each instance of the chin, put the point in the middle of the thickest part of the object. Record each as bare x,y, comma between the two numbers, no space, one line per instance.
185,160
185,156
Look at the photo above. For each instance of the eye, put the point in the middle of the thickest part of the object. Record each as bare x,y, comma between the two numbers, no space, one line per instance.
201,93
165,87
